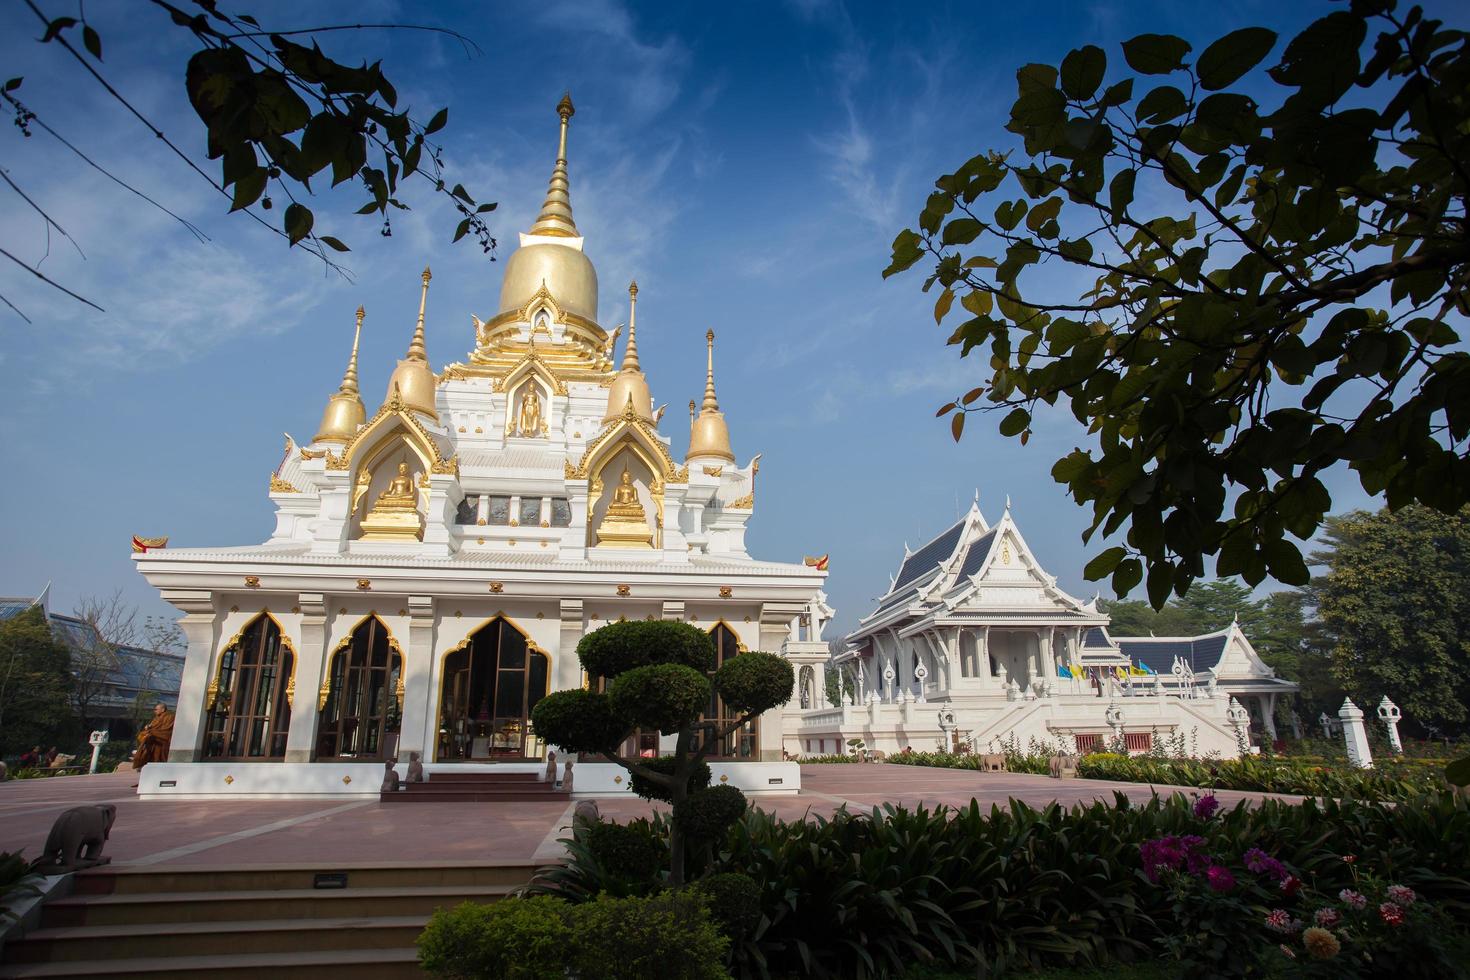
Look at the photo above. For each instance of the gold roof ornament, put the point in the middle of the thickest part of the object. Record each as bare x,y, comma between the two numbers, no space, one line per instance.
709,437
345,413
412,379
556,211
630,388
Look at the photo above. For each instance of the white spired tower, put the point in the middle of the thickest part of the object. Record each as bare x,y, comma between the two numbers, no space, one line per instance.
435,562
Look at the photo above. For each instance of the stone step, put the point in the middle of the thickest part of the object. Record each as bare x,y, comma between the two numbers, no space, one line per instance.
476,794
120,942
360,964
229,906
124,879
481,777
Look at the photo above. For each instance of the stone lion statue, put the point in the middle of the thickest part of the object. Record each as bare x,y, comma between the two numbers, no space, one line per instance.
76,840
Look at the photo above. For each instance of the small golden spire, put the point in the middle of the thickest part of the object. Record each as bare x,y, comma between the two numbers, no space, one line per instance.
556,211
630,352
416,349
691,411
349,379
710,403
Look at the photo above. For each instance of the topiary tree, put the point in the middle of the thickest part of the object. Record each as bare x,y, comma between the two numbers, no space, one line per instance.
660,675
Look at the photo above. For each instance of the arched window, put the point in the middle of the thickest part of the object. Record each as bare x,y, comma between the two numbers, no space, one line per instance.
744,742
364,707
490,686
250,715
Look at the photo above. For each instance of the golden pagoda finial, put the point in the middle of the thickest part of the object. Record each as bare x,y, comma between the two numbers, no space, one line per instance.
416,349
710,403
556,211
630,352
349,379
691,411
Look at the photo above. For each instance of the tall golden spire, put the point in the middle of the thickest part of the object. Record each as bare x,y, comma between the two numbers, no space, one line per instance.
709,436
412,379
711,404
629,388
556,211
345,411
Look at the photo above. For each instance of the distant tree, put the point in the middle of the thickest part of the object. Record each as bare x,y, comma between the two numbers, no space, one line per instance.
838,684
278,113
112,624
661,677
1394,604
1237,280
35,684
1206,607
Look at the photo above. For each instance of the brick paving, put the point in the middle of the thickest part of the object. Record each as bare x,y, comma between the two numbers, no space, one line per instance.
317,832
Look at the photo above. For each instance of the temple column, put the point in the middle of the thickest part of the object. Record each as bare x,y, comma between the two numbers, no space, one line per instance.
200,627
569,668
421,677
1268,712
991,680
301,737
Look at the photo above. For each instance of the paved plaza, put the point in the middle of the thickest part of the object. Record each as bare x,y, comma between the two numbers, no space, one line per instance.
221,833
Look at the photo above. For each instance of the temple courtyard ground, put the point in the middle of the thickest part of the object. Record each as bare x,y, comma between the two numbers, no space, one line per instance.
320,833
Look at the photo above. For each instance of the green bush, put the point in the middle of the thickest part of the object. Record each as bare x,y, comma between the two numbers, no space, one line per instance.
734,902
708,814
699,777
582,720
630,853
669,936
513,939
755,681
619,647
663,696
826,759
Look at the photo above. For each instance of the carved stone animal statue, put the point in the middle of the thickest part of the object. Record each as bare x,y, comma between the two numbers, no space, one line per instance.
415,768
1063,766
993,762
390,777
550,776
586,813
566,779
76,840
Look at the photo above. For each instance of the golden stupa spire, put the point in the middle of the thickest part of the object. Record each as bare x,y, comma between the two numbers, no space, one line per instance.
556,211
345,411
416,349
711,404
630,352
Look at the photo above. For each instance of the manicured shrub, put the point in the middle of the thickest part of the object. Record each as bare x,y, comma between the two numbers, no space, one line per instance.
663,696
669,936
733,901
620,647
708,814
755,681
513,939
582,720
629,852
699,777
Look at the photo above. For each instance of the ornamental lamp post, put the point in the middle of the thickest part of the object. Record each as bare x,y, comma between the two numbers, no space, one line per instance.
1355,734
96,740
1390,715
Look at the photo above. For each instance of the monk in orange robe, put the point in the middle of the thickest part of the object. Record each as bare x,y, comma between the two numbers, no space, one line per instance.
154,738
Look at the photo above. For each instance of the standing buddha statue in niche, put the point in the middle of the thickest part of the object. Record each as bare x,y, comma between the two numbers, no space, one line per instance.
528,422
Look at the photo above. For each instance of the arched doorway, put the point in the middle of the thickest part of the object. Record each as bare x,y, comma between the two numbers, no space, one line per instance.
491,683
249,706
744,742
363,705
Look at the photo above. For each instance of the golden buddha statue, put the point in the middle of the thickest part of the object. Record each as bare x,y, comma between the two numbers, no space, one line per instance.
528,422
625,525
395,516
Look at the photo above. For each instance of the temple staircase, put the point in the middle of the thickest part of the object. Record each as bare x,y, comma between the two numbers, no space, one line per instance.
172,921
478,787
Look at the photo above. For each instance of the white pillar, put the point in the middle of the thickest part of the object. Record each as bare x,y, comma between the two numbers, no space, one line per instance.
200,627
301,737
1355,734
1389,714
1268,715
421,680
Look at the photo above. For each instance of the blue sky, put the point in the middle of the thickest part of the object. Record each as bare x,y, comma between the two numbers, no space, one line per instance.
748,164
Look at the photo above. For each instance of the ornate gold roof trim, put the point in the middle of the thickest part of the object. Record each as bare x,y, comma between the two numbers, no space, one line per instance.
630,424
279,485
530,364
394,409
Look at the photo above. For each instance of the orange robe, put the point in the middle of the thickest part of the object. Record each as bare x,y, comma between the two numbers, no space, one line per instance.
153,741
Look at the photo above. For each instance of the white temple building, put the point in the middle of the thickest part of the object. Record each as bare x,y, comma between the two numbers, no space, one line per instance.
436,560
975,646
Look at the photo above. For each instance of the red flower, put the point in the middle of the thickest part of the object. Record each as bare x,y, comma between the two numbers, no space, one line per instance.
1290,885
1349,859
1391,914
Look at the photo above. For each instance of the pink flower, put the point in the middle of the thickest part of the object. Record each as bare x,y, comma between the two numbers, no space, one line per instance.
1391,914
1328,918
1349,859
1401,895
1281,921
1290,885
1205,806
1352,899
1287,950
1220,879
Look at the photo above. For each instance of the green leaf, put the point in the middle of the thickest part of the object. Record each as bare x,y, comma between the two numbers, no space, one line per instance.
1015,423
957,425
1155,54
56,26
334,243
1457,773
1233,55
978,302
248,188
298,222
13,83
92,40
962,231
1162,104
437,123
1128,574
906,251
942,305
1104,564
1082,71
1120,190
1043,212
